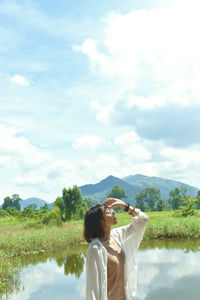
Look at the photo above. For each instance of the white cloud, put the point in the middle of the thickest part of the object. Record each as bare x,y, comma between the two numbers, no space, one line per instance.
26,169
19,146
161,267
24,165
145,102
96,168
157,268
88,142
89,47
154,54
103,111
127,154
36,277
21,80
130,146
180,164
182,158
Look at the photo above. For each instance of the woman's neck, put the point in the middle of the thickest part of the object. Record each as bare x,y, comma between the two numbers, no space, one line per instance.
106,234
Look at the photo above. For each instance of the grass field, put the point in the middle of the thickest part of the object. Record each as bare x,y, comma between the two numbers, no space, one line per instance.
18,239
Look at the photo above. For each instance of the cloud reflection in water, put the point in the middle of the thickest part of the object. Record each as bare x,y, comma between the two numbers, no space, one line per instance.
162,274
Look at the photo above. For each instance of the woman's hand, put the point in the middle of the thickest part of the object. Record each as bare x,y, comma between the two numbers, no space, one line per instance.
114,202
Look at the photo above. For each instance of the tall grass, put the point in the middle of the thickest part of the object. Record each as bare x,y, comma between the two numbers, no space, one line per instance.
18,241
28,241
167,225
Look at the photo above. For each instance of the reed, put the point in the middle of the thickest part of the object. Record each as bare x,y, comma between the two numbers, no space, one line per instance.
18,241
166,225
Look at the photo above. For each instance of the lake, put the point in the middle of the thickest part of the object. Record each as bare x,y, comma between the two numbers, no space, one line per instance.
167,269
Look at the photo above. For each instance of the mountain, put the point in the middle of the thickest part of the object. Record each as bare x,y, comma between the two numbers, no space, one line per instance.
165,185
39,202
132,185
51,205
99,191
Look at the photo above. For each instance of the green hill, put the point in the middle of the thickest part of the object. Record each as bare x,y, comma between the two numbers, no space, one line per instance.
132,185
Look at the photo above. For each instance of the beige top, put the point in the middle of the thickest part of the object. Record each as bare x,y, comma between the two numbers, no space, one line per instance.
115,273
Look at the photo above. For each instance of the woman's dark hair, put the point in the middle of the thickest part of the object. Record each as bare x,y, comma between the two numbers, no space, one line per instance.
93,222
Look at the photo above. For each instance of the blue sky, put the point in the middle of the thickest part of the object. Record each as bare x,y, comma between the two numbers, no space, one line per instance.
93,88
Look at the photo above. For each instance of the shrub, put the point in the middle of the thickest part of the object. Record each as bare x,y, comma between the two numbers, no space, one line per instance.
3,213
52,217
187,209
12,211
29,212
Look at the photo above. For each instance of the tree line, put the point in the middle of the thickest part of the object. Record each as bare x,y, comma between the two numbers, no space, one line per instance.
150,199
71,205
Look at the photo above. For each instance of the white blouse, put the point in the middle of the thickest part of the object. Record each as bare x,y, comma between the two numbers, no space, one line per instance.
129,238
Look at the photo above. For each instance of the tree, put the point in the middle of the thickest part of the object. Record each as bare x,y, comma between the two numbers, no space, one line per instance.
7,202
117,192
13,201
73,201
52,217
32,206
89,202
16,201
82,210
60,203
188,207
29,212
177,197
150,196
74,264
3,213
167,205
140,201
12,211
198,200
45,207
160,204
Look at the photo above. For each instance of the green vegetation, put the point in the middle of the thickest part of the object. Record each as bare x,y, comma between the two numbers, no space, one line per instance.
70,206
19,238
150,196
166,225
12,202
33,231
117,192
150,199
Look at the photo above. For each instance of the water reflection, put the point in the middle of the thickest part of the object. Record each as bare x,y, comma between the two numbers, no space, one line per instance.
67,261
185,244
182,289
167,269
161,271
73,264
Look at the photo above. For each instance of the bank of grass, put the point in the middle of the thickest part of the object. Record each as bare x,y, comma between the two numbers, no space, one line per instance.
21,238
167,225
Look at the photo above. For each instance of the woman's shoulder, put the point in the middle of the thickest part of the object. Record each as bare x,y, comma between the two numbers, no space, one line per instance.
95,248
95,244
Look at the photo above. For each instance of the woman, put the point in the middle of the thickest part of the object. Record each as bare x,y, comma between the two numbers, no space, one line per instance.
111,262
